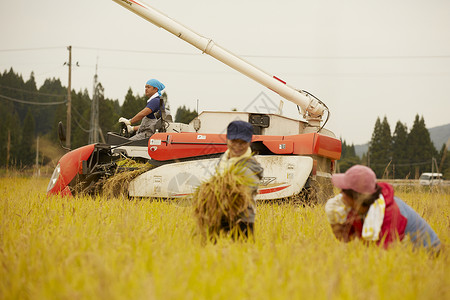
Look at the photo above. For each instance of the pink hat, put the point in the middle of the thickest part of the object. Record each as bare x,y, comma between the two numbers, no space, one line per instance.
359,178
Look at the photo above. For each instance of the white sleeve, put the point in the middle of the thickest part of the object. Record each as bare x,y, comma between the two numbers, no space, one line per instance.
336,210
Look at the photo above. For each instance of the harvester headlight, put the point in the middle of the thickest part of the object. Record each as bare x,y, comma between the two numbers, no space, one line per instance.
54,177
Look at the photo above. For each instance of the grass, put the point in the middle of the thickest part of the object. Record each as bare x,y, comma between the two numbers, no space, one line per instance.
99,248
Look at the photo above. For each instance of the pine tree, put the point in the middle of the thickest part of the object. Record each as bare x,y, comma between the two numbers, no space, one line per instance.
399,151
165,98
185,115
107,115
421,150
81,113
348,157
444,161
380,149
132,105
46,116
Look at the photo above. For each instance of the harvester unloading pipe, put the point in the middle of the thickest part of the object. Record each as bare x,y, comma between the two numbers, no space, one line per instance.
312,106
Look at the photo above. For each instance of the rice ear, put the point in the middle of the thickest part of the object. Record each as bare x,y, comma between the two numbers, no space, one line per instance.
224,197
117,185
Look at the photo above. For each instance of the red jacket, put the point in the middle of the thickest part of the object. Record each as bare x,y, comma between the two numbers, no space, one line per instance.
394,223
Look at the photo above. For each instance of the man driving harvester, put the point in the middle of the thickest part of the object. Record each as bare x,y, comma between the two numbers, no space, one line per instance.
149,115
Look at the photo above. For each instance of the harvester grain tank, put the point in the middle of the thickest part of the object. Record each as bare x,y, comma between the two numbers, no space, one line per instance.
298,156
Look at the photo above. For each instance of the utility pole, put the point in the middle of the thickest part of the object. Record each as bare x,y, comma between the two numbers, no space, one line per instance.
69,99
94,126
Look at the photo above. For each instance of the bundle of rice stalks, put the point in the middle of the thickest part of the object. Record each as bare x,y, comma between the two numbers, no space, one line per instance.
130,163
222,200
127,170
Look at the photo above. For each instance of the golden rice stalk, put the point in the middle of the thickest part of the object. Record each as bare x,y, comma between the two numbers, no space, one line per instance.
117,185
225,196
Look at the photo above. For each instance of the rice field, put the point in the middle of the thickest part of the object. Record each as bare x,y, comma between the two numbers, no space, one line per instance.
115,248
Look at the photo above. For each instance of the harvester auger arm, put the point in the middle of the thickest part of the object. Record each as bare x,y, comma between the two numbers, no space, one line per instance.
314,108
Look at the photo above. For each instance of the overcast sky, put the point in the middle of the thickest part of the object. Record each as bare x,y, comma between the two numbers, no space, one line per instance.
363,59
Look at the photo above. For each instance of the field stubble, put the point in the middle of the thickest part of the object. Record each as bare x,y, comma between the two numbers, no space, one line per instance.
94,247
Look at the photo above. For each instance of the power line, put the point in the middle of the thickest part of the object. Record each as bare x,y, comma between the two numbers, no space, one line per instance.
276,56
137,51
29,49
30,92
80,115
29,102
343,57
79,125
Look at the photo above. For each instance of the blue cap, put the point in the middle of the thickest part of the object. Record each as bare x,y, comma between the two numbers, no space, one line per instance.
157,84
240,130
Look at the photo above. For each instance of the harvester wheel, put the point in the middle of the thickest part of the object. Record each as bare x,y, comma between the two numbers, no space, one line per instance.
316,191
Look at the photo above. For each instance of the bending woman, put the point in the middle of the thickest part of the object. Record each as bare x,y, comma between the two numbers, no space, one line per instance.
369,210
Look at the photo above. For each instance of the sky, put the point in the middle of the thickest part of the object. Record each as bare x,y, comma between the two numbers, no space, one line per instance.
363,59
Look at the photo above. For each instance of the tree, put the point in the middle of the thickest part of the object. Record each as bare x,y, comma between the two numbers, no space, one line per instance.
80,121
399,151
108,115
11,114
420,148
132,105
185,115
26,155
444,161
380,149
46,115
348,157
10,133
165,98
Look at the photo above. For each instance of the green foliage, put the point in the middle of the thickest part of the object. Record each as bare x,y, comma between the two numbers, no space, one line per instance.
13,114
165,98
10,132
400,151
185,115
380,148
420,148
444,162
132,104
404,155
348,157
48,116
27,142
108,115
81,108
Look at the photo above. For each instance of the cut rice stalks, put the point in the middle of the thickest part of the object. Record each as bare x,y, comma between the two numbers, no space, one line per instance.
127,169
223,198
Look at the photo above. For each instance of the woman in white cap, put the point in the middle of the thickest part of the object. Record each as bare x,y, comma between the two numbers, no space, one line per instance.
369,210
154,105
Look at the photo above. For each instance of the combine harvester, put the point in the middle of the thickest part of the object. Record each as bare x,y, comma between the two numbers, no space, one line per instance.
298,156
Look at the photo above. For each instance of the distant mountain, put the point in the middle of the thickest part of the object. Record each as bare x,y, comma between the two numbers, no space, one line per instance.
361,149
439,135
